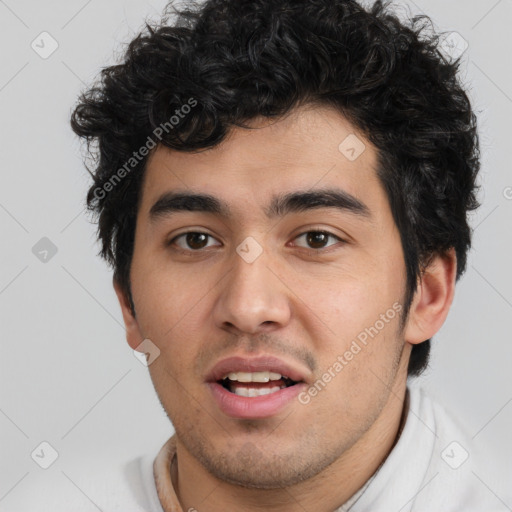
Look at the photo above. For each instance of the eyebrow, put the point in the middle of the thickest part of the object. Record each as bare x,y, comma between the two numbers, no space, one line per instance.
280,205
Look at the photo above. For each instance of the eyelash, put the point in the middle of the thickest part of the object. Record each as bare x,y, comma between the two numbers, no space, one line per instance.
316,251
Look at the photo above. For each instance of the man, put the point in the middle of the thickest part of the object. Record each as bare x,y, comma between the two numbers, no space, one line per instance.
282,190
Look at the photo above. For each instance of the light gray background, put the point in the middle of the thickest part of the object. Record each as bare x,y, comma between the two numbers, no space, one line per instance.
67,375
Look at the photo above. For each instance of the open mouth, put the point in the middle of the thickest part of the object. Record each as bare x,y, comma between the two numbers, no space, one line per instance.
252,384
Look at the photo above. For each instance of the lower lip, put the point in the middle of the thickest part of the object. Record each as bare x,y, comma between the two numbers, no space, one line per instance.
256,407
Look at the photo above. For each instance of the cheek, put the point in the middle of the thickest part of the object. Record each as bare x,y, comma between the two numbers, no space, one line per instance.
348,303
360,319
165,301
359,367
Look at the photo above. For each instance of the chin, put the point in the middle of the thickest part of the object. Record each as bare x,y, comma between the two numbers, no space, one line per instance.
252,467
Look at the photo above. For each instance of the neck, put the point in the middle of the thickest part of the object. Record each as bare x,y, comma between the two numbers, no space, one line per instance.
195,487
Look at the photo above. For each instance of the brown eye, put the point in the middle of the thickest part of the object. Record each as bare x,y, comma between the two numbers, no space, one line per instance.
318,239
193,240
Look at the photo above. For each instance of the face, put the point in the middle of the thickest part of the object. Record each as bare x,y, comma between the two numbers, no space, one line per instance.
266,278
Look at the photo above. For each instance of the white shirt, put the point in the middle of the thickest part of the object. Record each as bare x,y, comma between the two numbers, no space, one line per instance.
434,467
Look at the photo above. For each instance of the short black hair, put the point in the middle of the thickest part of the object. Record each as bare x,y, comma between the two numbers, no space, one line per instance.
230,61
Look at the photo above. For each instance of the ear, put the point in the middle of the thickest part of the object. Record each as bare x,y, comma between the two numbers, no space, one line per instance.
432,299
133,334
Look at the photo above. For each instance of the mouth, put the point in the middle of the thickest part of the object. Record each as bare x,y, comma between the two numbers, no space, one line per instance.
252,388
255,384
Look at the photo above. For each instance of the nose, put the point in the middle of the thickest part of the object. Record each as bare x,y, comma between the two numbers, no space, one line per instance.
253,298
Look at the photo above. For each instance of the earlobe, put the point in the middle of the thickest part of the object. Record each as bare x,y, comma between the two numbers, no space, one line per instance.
432,299
133,334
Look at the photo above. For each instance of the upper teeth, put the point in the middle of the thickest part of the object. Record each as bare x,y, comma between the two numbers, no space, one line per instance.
254,376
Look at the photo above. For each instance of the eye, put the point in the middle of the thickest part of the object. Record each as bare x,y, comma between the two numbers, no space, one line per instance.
317,239
193,240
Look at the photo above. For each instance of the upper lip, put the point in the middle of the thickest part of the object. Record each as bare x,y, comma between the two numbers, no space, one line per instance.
255,364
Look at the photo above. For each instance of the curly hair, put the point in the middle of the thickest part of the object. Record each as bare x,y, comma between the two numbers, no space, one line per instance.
231,61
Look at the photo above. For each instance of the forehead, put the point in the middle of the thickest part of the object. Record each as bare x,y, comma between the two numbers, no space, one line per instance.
311,148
